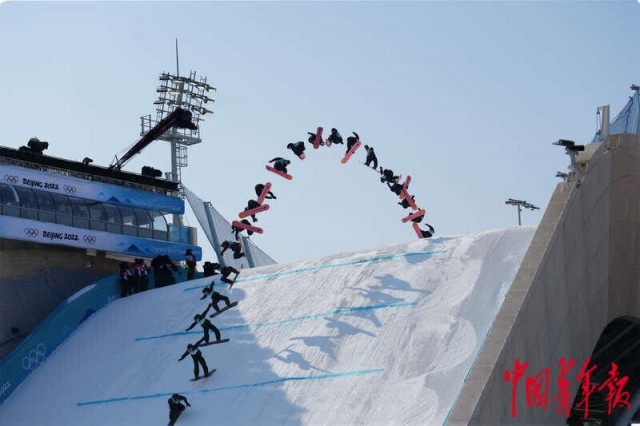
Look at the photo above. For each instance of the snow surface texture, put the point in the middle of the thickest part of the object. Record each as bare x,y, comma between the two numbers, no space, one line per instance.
379,337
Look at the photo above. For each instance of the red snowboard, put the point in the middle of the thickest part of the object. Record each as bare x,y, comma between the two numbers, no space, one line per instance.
264,193
247,227
279,173
259,209
413,215
318,140
351,151
416,228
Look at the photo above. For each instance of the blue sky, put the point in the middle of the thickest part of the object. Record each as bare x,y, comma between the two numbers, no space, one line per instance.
466,97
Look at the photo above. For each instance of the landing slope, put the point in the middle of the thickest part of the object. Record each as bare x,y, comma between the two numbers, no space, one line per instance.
379,337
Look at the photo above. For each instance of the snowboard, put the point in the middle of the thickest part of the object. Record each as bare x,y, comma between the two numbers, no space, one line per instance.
265,191
407,196
416,228
247,227
203,377
353,149
235,279
405,186
226,308
318,140
260,209
279,173
420,212
215,342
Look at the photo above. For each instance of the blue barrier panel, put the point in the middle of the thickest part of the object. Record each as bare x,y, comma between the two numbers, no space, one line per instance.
59,325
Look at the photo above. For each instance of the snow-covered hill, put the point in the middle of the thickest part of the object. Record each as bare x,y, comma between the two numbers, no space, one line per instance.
379,337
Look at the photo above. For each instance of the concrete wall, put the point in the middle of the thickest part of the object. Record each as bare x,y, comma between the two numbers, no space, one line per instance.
36,278
580,272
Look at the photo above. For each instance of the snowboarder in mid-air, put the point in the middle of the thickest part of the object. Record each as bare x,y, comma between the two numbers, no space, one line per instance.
209,269
198,360
405,204
260,187
371,157
226,271
234,246
239,230
206,326
280,164
395,187
335,137
429,233
215,298
252,204
311,139
298,149
351,141
176,407
388,176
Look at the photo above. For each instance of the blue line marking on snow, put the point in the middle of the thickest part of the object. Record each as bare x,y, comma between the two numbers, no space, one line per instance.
338,311
244,386
334,265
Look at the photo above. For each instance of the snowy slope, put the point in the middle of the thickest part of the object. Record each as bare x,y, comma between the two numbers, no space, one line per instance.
379,337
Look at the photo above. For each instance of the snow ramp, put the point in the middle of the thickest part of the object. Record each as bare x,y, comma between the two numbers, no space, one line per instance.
378,337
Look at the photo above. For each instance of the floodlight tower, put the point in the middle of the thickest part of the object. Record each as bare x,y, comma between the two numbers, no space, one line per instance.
520,204
190,93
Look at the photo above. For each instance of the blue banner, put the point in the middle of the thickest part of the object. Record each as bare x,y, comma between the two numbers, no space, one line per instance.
97,191
16,228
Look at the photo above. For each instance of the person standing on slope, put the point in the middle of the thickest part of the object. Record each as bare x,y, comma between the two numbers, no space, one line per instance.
198,360
215,298
176,407
191,264
206,326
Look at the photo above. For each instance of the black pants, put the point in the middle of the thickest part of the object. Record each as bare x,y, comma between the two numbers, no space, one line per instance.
175,413
215,330
218,297
372,159
197,360
191,271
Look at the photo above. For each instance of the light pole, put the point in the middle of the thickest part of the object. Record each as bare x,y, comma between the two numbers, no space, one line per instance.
520,204
188,93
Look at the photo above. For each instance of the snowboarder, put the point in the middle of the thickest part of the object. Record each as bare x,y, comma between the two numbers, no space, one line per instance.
351,141
226,271
206,326
234,246
252,204
176,407
198,360
259,187
388,176
405,204
371,157
429,233
215,298
209,269
280,164
396,188
298,149
239,230
191,264
312,139
335,137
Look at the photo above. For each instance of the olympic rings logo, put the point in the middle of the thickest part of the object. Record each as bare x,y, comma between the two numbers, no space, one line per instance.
91,239
35,358
31,232
11,178
70,189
